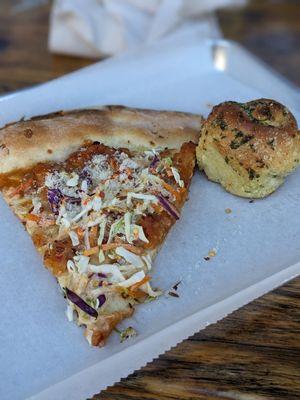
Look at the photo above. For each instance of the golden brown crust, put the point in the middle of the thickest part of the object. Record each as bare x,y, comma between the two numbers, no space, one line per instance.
257,142
53,137
105,325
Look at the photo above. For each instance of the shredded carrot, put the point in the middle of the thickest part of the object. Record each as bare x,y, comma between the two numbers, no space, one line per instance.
113,163
110,246
48,222
93,235
80,232
32,217
128,171
137,294
140,283
21,188
94,230
172,190
91,251
157,207
130,247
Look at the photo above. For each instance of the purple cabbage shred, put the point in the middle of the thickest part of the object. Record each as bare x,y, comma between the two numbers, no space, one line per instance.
102,299
168,206
86,176
54,197
154,162
79,302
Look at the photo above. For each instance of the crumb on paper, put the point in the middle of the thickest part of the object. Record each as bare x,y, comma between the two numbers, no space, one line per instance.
150,298
212,253
175,287
228,210
127,334
173,294
173,290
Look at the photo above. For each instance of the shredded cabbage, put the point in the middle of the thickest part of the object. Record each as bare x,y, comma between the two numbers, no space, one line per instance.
147,289
127,219
82,212
147,260
70,266
101,256
97,203
70,312
112,269
81,263
74,238
130,257
73,181
140,196
177,177
141,234
116,227
135,278
102,226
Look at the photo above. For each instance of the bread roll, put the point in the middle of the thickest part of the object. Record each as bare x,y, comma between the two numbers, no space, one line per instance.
249,148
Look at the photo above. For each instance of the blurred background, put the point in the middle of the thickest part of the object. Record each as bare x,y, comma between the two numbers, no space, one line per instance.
95,29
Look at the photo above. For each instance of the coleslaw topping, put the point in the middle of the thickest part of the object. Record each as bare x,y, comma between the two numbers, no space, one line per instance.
100,208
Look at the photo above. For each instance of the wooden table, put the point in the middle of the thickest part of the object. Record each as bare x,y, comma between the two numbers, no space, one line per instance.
255,352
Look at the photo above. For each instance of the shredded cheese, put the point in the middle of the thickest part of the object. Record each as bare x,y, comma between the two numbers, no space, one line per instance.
130,257
74,238
127,220
177,177
135,278
100,209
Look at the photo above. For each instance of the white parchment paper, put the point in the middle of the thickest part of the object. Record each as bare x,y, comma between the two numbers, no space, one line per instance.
42,355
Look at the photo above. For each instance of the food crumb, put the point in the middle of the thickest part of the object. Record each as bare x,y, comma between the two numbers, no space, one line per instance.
127,333
212,253
251,201
175,287
173,290
228,210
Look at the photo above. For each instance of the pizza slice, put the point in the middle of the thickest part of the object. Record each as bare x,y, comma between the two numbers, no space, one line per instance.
98,190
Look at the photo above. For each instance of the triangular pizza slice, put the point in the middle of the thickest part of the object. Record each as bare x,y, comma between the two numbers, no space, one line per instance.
98,190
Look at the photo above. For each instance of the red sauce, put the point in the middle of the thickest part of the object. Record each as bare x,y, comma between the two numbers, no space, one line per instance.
184,161
156,227
56,258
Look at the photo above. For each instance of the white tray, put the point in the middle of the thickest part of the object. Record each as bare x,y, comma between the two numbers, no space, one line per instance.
42,355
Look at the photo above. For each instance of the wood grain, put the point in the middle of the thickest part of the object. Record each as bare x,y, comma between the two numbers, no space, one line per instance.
254,353
270,29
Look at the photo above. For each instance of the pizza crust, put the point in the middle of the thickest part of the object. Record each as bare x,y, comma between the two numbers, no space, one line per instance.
54,137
